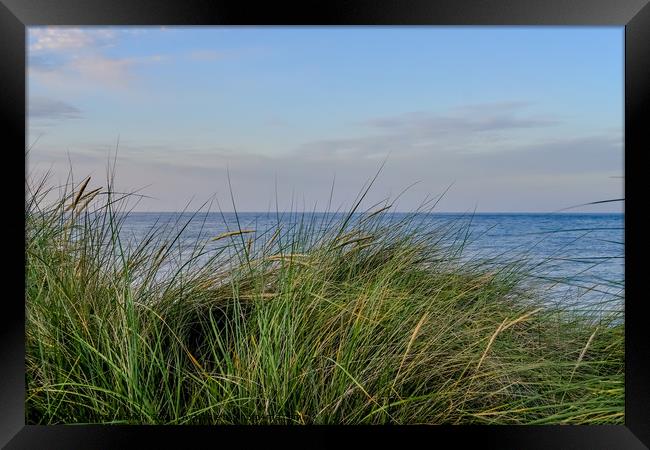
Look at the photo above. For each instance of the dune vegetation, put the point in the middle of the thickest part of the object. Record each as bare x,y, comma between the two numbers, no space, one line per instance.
349,319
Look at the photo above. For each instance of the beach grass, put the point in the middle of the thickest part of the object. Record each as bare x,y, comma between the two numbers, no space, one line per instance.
348,319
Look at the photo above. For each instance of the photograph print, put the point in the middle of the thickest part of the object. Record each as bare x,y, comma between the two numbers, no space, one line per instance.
325,225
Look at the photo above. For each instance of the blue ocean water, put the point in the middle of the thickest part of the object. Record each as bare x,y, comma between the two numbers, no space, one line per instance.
577,254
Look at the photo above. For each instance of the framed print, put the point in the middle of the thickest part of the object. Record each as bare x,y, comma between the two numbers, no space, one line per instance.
388,220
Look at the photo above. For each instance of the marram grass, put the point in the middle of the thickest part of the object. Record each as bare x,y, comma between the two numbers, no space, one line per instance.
348,320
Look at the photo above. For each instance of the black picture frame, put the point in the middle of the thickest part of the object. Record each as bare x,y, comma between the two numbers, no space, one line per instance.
16,15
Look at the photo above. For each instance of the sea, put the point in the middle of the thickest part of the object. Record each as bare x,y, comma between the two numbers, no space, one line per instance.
574,255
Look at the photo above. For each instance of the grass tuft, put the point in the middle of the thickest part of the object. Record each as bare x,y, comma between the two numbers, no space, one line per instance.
354,319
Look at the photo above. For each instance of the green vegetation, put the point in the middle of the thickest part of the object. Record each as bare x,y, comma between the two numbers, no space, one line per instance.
345,320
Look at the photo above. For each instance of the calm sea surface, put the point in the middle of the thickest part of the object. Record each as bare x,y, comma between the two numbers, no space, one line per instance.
577,253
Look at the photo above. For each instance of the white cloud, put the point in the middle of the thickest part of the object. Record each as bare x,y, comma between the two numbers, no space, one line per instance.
61,38
90,70
76,58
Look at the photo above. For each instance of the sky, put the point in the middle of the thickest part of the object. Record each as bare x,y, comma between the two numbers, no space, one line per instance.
499,119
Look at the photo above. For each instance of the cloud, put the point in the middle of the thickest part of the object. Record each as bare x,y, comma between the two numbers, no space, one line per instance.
498,166
110,71
470,118
468,129
115,71
47,108
557,156
73,57
94,69
541,176
63,38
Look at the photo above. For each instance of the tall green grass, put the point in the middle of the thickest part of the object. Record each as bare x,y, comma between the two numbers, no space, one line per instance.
348,319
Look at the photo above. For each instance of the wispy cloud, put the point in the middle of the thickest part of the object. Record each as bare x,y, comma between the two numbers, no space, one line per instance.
108,71
71,57
48,108
466,129
60,38
93,69
553,173
467,118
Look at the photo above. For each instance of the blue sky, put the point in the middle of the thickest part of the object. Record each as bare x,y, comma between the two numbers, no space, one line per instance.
517,118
